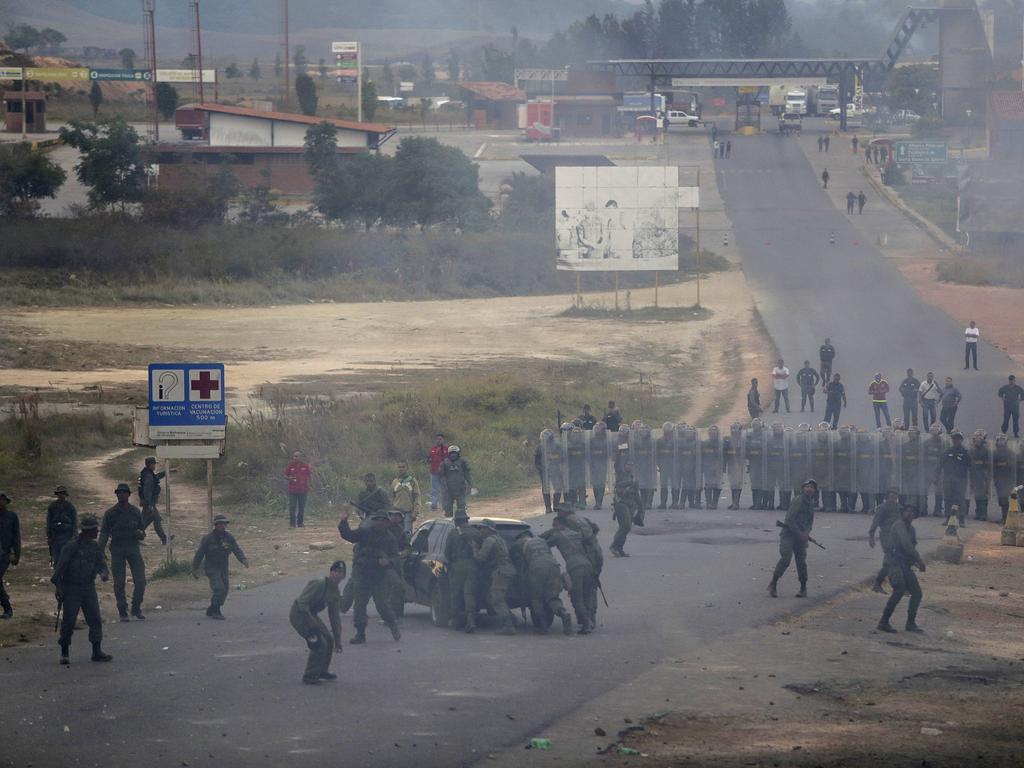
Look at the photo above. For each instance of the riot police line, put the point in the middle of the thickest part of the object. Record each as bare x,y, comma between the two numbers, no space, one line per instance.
680,466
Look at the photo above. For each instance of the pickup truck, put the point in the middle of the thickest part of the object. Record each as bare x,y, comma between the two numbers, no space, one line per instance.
790,123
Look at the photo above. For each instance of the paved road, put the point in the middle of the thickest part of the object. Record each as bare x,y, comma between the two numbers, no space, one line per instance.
183,690
807,289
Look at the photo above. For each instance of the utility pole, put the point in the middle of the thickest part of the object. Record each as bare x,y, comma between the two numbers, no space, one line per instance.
284,45
197,48
149,35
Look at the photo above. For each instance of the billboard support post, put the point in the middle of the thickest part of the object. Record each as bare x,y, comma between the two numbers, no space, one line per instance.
616,291
698,240
656,289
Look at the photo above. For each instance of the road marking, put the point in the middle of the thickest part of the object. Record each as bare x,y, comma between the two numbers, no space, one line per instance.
476,155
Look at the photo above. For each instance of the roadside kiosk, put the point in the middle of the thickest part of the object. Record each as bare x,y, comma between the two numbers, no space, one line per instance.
35,111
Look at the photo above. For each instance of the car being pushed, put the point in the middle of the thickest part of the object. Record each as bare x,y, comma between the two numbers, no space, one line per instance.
425,570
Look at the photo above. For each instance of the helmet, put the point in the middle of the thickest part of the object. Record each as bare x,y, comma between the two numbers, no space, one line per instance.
756,424
803,426
89,523
547,434
713,428
598,427
566,426
777,426
935,429
810,481
824,426
736,427
453,449
668,426
956,434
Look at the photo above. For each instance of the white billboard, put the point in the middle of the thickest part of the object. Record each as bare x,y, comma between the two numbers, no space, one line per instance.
619,219
184,76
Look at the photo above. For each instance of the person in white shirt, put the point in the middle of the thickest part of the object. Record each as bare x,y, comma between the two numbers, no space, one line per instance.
930,393
971,335
780,378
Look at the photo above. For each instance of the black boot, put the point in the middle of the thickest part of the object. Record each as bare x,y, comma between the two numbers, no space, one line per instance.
64,647
98,654
735,499
675,498
803,589
664,498
598,497
772,591
547,503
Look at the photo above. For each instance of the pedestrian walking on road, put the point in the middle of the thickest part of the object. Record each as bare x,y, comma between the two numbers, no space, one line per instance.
854,142
885,514
10,549
1011,394
868,158
828,141
835,401
728,148
821,143
826,354
824,178
910,389
793,538
948,404
318,595
122,526
753,400
861,201
851,199
297,473
902,554
780,379
879,391
213,552
808,379
437,454
61,522
714,149
930,393
971,336
74,577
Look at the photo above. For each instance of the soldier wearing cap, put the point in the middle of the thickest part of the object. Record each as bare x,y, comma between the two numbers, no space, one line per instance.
463,573
588,529
581,573
542,578
304,617
885,515
79,563
902,554
492,553
396,579
10,549
122,526
628,503
61,522
375,556
793,537
215,549
149,498
954,469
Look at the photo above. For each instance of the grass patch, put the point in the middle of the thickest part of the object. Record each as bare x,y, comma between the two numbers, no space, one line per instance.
173,569
966,270
600,311
494,418
936,202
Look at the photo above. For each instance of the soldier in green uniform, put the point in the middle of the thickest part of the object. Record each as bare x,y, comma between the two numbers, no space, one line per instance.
901,555
885,515
776,464
10,549
688,448
793,538
396,579
81,561
491,553
122,526
581,573
304,617
377,549
61,521
628,502
149,498
215,549
542,577
588,529
371,499
463,573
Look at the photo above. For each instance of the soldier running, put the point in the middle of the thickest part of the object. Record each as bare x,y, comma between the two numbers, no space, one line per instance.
213,552
122,526
793,538
901,554
149,498
304,617
886,514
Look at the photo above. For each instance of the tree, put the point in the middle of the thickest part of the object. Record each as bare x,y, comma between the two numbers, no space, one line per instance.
453,65
305,92
232,72
166,100
406,72
95,97
435,184
529,203
111,162
496,65
50,40
277,65
427,67
369,100
254,70
26,175
257,206
674,36
388,76
299,58
321,68
127,58
189,62
321,149
22,37
912,88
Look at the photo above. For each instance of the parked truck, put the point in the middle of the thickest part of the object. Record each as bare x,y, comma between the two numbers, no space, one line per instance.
796,102
828,99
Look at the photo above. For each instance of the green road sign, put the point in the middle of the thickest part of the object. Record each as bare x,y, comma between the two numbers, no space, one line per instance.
924,152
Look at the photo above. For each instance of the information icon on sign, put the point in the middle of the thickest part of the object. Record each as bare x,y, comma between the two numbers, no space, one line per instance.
167,386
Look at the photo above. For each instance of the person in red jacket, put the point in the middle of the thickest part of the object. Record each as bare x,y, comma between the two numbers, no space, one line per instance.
879,391
297,474
438,453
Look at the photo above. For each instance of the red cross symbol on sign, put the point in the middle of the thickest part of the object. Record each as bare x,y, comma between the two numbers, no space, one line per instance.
205,385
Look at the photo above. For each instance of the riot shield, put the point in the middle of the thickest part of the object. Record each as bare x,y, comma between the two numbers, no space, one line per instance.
645,469
823,465
845,473
665,452
800,447
981,474
599,449
556,477
865,468
934,448
735,454
712,465
576,460
886,463
757,457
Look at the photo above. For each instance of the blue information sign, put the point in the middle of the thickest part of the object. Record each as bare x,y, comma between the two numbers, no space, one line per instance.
186,400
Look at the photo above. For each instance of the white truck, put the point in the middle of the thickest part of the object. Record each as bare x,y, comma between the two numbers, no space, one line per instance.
777,98
828,99
796,102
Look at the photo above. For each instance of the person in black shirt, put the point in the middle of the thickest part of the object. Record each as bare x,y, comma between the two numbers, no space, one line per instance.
753,400
835,401
808,379
612,417
586,419
1011,395
826,353
910,389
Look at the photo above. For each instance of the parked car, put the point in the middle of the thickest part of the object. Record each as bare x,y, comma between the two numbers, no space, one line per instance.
906,116
425,571
679,117
851,109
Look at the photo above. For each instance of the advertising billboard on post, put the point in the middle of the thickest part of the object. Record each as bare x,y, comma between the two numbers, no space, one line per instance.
619,218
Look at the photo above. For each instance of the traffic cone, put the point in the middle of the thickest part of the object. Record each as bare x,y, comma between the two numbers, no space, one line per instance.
951,549
1014,526
831,238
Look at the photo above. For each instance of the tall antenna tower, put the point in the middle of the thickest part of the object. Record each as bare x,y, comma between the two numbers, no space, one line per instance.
197,54
149,35
285,69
